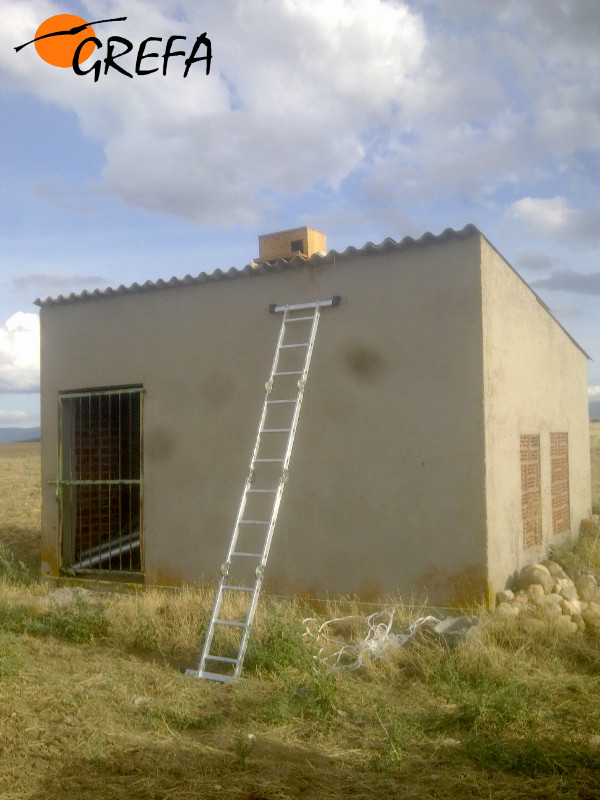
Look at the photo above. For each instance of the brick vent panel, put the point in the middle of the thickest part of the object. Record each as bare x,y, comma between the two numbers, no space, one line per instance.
531,500
559,475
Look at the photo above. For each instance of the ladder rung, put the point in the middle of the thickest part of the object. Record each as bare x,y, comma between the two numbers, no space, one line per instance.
221,658
247,555
269,402
288,346
268,460
255,521
261,491
237,588
230,622
297,319
293,372
276,430
214,676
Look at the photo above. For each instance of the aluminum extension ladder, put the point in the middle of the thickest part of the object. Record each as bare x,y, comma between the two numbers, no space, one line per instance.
242,572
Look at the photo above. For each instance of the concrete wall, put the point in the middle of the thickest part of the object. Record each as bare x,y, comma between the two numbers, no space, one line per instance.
386,486
535,382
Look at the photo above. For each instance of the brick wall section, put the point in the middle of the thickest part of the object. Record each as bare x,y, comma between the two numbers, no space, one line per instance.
559,476
531,500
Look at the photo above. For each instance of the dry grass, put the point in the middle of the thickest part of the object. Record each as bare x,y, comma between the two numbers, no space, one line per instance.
500,717
595,455
20,501
93,705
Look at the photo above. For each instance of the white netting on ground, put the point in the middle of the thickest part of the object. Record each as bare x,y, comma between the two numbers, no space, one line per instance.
337,654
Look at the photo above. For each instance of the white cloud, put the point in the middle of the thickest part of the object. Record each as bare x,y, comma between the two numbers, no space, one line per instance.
552,217
20,353
593,392
412,100
15,418
294,87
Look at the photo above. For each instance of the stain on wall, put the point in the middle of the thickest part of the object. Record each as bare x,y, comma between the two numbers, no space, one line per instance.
465,586
364,362
158,443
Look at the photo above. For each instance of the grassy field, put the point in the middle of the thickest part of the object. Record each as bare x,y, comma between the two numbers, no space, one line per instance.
595,454
93,703
20,501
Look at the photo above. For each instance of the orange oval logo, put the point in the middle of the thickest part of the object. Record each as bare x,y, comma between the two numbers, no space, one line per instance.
60,36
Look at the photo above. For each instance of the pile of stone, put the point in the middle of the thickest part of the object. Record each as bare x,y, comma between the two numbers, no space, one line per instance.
545,595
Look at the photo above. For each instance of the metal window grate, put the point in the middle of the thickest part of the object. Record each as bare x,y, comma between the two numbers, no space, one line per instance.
100,480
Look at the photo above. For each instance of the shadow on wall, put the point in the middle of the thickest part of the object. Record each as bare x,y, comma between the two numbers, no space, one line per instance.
364,362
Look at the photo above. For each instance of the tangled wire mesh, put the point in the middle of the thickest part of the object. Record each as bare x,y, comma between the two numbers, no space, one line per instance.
378,641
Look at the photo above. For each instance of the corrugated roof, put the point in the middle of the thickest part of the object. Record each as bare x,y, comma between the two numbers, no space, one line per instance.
369,248
388,245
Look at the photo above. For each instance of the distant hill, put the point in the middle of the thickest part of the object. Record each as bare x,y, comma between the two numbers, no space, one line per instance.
8,435
594,409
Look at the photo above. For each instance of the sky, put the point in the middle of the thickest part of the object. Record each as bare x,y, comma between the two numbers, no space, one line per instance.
365,119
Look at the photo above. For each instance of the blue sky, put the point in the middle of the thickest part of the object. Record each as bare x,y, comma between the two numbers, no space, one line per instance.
362,118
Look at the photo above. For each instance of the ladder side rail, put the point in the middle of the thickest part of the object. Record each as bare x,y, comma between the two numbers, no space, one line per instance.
250,619
269,386
301,385
210,631
291,437
242,505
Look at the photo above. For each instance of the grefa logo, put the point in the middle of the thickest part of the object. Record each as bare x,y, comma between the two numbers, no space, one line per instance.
66,40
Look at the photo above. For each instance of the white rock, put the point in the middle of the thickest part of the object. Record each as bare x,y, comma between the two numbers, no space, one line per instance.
586,587
554,569
550,605
505,596
532,626
508,610
591,618
564,624
535,573
553,597
571,607
534,592
566,588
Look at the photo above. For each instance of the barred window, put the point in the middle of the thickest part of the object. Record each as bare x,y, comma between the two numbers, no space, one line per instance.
100,479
